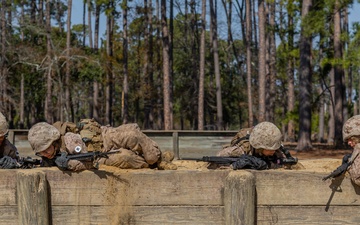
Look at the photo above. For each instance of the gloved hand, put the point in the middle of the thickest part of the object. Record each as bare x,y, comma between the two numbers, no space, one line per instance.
7,162
62,161
249,162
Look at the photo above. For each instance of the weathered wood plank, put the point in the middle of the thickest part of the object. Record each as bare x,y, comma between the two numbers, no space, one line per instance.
7,187
137,187
8,215
239,198
139,215
32,197
309,215
303,188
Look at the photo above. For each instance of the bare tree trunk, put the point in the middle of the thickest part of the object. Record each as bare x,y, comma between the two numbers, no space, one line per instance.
159,102
202,68
48,104
290,84
262,61
272,64
96,47
84,23
331,123
166,67
109,72
40,13
321,117
22,102
248,62
125,65
89,24
3,73
171,60
220,123
305,77
339,73
68,114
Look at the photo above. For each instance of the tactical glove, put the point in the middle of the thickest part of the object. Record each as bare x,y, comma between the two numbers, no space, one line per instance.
249,162
62,161
7,162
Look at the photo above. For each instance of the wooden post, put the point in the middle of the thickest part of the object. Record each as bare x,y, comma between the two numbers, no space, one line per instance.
175,136
239,198
32,197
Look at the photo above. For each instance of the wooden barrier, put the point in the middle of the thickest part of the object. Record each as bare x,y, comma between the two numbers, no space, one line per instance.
177,197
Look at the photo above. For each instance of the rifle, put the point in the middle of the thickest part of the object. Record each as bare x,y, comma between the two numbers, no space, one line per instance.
346,163
28,162
63,158
226,160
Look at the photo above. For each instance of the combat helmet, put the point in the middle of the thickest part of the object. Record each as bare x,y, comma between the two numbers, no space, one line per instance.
42,135
351,128
4,126
265,135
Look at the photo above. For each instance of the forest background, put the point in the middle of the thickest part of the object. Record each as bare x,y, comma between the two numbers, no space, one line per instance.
183,64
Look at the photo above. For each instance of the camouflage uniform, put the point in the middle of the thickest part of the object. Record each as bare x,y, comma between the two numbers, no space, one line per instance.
6,148
252,141
42,135
136,146
351,129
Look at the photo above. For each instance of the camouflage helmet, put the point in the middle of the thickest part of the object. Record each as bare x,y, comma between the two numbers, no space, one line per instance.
351,127
4,126
265,135
42,135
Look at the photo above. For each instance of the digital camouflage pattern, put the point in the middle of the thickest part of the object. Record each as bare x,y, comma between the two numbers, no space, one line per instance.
4,126
354,169
239,145
42,135
63,128
130,137
351,128
265,135
74,143
90,132
125,159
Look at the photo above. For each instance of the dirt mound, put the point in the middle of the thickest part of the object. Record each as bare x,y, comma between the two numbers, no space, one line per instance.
325,165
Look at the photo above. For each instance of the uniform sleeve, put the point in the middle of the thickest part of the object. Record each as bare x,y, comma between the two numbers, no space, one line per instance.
77,166
8,149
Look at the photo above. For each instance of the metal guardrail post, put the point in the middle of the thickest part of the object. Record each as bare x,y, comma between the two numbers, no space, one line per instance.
175,136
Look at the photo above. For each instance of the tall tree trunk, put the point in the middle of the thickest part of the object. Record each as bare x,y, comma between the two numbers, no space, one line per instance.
166,67
89,24
147,68
213,15
290,83
96,47
331,123
159,102
68,114
109,72
125,94
202,68
40,13
84,23
321,116
3,73
248,62
22,102
339,73
272,64
305,77
48,104
171,60
262,61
